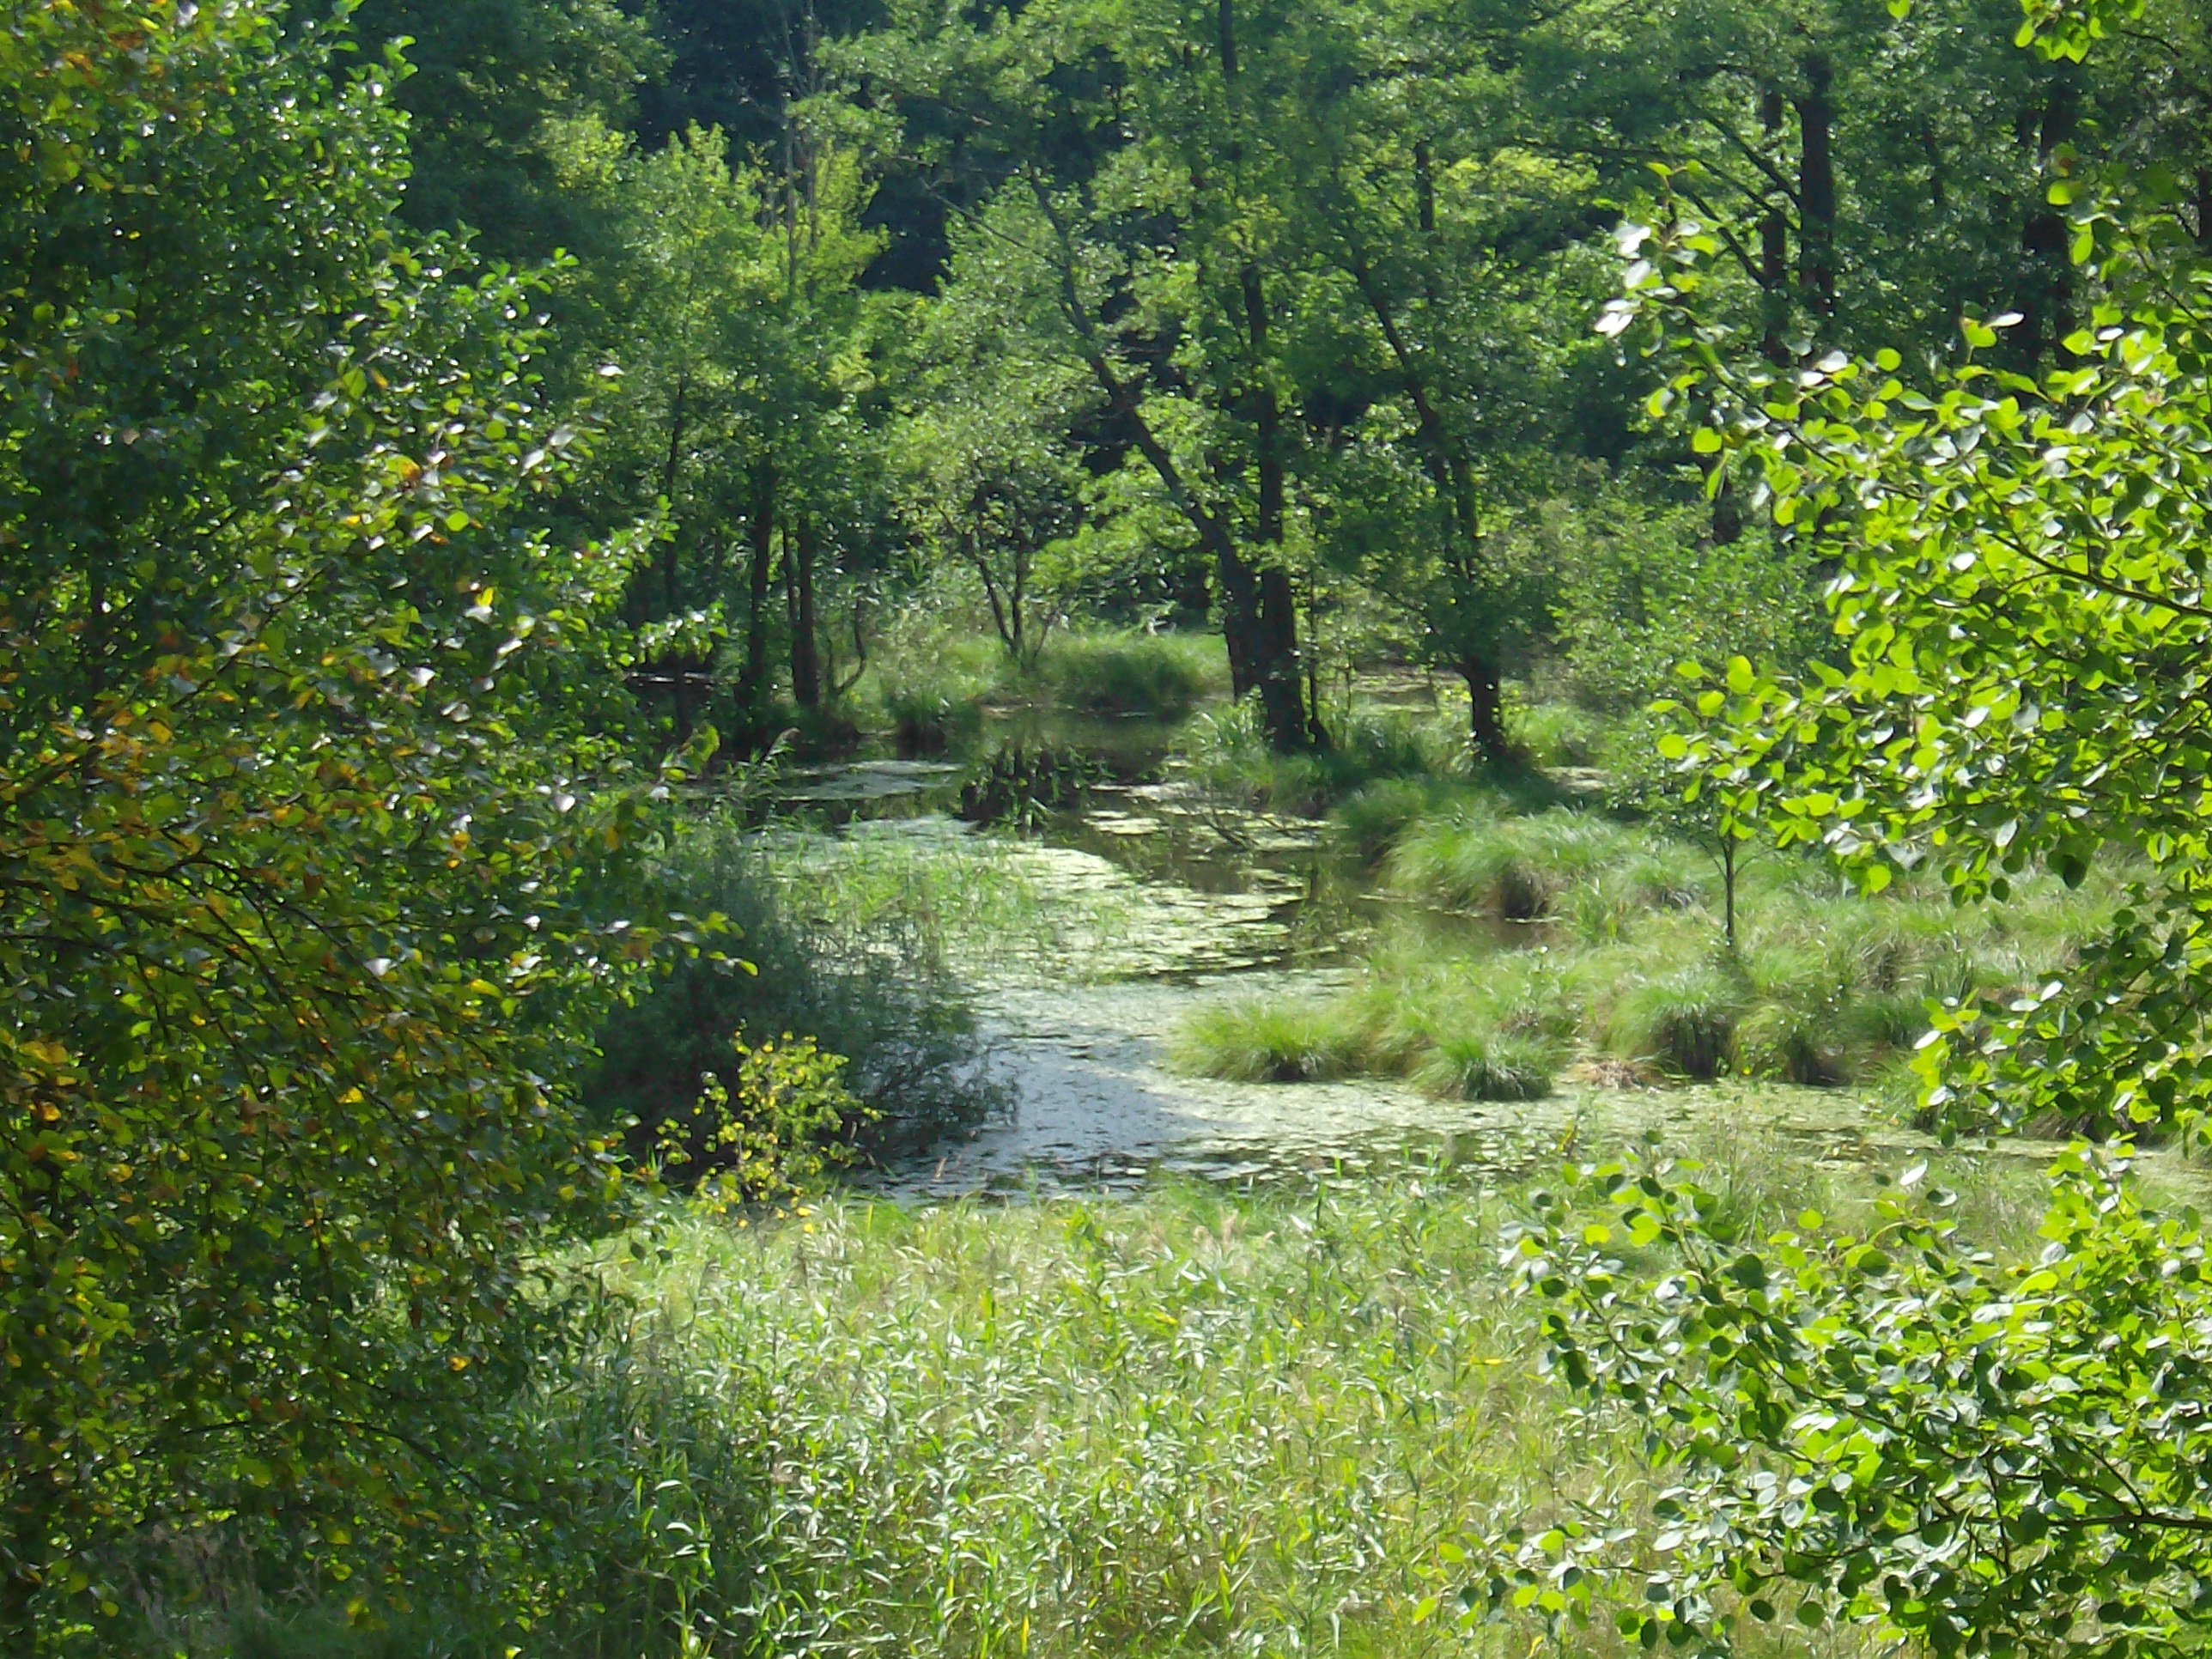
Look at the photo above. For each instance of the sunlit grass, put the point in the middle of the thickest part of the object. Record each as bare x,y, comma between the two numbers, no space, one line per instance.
1195,1420
1606,940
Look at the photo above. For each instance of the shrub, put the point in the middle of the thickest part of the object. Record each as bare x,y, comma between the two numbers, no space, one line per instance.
770,1126
881,996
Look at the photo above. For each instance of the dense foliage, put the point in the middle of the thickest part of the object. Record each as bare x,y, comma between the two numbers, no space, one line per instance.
306,810
1976,1454
1897,1430
361,596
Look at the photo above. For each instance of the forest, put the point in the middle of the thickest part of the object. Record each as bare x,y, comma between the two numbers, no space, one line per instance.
974,827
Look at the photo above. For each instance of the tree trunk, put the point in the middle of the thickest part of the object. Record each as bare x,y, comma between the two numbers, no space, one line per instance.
1282,692
805,646
1233,577
2046,308
1239,593
1816,189
1275,655
752,688
670,586
1486,699
1773,248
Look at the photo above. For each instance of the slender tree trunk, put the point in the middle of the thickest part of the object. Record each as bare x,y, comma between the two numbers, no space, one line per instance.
1018,598
752,688
2046,308
1727,889
1816,188
1486,702
805,644
1282,694
1291,726
671,587
1773,247
1233,579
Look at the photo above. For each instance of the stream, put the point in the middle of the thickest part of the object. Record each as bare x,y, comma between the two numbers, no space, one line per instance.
1140,903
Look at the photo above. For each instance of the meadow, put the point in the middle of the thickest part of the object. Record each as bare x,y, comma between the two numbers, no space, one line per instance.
1197,1420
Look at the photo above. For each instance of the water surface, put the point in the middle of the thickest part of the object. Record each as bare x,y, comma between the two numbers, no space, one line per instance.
1098,928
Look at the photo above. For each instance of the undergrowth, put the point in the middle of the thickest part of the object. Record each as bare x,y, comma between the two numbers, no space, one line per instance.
872,986
1193,1421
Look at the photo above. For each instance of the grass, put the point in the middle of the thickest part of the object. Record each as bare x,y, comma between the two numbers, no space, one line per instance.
1277,1043
1604,942
871,982
1194,1421
1224,753
1555,733
929,684
1128,671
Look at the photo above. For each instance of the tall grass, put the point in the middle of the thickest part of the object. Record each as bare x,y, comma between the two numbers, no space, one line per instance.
928,685
1193,1421
1605,943
1131,672
1224,753
872,984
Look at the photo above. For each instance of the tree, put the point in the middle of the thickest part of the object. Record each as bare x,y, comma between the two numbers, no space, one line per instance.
1897,1431
1121,188
729,305
490,85
988,452
304,834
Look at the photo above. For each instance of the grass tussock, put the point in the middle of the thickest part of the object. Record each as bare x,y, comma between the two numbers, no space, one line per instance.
1521,867
1605,939
1275,1042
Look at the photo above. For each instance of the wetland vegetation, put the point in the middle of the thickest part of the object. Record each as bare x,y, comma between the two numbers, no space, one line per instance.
1084,826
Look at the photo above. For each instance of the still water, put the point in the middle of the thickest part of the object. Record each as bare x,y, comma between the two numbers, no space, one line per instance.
1142,902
